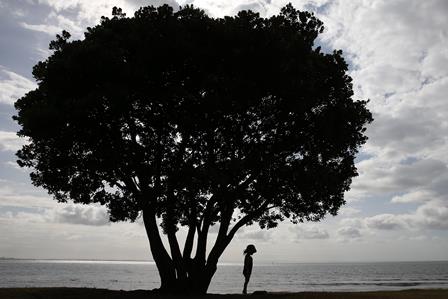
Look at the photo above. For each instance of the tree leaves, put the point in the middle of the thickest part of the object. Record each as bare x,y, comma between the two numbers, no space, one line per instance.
171,110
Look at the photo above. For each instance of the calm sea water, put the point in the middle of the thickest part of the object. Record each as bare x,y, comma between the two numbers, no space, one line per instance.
228,279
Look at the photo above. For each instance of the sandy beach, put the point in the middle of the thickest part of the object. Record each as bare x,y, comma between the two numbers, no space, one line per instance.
87,293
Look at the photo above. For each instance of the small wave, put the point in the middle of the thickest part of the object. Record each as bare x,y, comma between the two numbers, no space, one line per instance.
386,283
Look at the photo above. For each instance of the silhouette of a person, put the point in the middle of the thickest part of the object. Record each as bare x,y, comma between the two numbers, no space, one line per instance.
248,262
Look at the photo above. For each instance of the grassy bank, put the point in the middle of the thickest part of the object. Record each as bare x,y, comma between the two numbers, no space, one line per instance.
85,293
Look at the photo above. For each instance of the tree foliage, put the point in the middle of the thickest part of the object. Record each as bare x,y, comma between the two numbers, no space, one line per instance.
196,121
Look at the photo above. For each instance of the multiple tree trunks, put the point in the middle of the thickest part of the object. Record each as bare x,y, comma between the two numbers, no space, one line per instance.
178,274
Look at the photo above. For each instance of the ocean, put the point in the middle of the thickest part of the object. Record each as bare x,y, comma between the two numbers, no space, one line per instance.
291,277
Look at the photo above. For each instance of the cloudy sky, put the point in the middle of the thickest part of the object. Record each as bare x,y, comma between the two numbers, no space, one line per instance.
398,206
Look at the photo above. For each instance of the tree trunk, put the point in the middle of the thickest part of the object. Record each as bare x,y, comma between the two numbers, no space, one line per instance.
198,277
161,257
186,276
199,280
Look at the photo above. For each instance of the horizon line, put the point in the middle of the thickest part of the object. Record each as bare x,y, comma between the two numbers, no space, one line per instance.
261,262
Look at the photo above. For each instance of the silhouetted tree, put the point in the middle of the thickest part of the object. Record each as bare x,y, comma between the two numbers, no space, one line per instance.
194,121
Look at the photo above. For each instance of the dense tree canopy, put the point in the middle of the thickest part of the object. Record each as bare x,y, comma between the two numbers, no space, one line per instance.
196,121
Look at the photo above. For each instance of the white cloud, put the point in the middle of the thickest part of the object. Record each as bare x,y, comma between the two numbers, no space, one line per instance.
13,86
310,232
18,194
80,214
9,141
23,217
398,51
384,222
393,176
415,196
20,197
352,222
14,165
348,232
259,235
431,215
49,29
435,63
88,13
348,211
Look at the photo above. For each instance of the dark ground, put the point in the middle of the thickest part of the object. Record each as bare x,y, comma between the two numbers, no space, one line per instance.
85,293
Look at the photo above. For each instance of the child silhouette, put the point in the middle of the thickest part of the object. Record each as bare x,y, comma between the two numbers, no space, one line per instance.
248,262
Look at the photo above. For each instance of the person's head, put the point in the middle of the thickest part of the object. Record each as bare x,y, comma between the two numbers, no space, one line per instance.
250,249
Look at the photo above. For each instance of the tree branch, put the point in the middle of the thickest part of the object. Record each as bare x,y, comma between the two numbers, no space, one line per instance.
245,183
176,254
248,217
189,241
221,239
129,183
191,231
171,233
201,247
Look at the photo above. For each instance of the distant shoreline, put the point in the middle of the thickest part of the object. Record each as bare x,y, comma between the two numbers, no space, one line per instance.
224,262
75,293
56,259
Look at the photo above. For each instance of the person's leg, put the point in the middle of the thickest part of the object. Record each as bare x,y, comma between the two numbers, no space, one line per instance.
246,281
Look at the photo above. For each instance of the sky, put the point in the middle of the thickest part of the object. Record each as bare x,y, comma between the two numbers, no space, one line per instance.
397,208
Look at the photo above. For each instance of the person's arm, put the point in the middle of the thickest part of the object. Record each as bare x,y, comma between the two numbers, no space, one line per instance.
250,263
246,265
